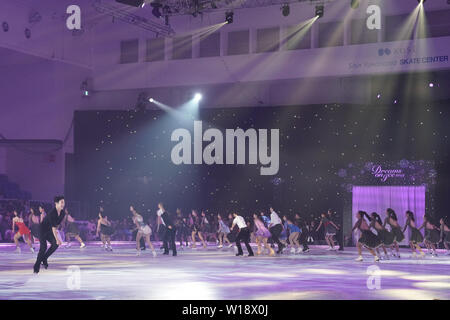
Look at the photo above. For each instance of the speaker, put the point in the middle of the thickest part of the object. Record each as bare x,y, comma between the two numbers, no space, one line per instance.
134,3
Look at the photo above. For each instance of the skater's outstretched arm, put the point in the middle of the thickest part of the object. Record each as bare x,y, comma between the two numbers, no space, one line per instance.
334,225
406,225
423,224
320,224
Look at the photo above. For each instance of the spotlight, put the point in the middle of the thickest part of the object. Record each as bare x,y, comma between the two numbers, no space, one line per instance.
431,84
421,1
379,96
285,9
229,17
151,100
354,4
197,97
320,9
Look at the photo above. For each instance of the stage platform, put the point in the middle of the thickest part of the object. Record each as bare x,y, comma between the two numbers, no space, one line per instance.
217,274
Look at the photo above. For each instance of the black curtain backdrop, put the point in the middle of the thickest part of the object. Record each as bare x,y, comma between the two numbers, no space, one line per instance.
122,158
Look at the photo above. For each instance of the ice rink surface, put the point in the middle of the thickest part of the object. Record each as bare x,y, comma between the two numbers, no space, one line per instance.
217,274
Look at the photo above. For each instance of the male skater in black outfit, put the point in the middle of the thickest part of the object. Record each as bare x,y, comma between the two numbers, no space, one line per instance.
169,235
48,232
243,235
275,228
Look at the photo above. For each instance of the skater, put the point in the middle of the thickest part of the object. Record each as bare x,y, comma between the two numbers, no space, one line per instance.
143,231
182,228
294,234
368,239
432,234
223,231
262,235
415,237
169,236
48,232
284,233
265,219
71,230
396,230
105,230
275,228
445,234
330,230
386,237
23,232
332,216
194,223
205,227
42,211
304,235
243,235
35,224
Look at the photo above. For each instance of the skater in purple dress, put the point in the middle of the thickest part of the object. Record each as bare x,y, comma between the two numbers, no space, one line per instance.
262,234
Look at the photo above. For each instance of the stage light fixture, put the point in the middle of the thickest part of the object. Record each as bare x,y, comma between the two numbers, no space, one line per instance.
229,17
320,9
285,9
85,88
431,84
155,11
198,97
354,4
134,3
151,100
